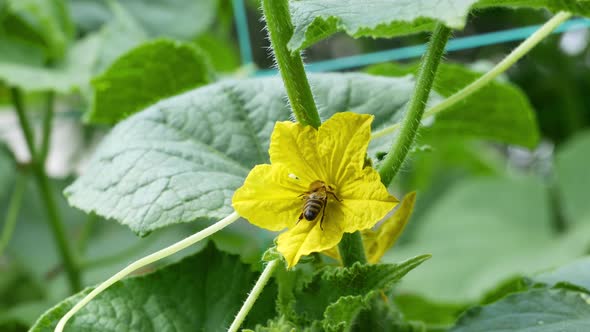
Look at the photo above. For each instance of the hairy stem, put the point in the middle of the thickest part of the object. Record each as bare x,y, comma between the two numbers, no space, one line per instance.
351,249
12,213
158,255
253,296
501,67
411,121
280,30
48,198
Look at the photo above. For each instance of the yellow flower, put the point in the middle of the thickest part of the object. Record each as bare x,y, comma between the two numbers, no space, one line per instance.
330,160
377,242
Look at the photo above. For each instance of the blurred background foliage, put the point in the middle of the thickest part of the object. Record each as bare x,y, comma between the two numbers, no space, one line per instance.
530,205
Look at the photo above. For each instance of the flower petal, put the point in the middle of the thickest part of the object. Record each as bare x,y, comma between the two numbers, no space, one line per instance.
295,146
365,201
307,237
343,141
377,243
269,197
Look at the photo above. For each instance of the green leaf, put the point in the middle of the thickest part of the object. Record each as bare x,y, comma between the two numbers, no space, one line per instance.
173,18
335,296
276,325
315,20
384,316
200,293
180,19
66,76
109,248
572,162
50,19
417,308
486,231
144,75
576,273
534,311
118,36
221,51
181,159
22,62
89,15
505,115
581,7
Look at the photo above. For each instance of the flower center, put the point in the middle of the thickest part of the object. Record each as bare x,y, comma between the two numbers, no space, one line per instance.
316,200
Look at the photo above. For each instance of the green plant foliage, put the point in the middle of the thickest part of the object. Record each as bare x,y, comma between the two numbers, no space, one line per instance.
581,7
499,111
468,226
221,52
23,63
275,325
202,292
315,20
334,296
117,36
535,311
49,19
89,15
178,19
185,140
31,251
571,163
144,75
66,76
384,316
417,308
173,18
576,273
7,167
187,152
503,214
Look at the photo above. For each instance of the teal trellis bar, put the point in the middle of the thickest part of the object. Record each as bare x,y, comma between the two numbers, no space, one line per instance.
455,44
241,20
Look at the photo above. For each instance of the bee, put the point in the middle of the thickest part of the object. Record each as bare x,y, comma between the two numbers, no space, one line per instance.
316,200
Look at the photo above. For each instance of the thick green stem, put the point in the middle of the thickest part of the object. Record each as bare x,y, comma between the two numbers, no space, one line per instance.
411,121
47,195
280,30
47,124
13,208
501,67
351,249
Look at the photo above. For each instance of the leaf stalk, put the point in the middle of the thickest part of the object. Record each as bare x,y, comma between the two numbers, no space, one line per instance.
138,264
500,68
253,296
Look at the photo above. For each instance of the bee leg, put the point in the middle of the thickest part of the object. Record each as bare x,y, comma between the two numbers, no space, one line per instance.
323,214
300,217
336,197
